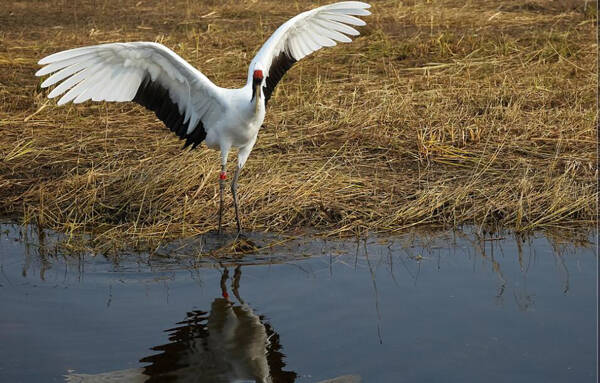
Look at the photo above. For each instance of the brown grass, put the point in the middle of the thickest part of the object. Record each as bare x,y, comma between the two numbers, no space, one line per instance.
440,113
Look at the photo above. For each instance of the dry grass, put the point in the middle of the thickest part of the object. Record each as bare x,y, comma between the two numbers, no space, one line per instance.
440,113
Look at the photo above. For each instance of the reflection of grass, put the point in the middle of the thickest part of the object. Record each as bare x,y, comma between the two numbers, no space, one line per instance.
440,113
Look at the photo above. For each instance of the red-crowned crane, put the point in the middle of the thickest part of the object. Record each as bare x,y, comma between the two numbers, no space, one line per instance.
188,103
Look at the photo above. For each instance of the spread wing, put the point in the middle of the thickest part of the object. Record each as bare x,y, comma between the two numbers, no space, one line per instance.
147,73
303,34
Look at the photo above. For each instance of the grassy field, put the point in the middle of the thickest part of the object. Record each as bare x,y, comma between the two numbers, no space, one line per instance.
441,113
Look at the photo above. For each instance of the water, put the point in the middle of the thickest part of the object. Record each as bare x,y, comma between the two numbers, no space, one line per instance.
450,307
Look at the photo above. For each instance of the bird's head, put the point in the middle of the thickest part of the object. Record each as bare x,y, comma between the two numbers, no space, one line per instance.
257,79
257,76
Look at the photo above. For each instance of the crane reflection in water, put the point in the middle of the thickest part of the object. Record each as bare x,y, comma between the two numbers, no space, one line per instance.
227,344
231,343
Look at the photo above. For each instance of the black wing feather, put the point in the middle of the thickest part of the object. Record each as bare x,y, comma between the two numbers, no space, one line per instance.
280,64
153,96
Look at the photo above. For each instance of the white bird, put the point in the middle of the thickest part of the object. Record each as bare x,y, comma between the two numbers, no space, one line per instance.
182,97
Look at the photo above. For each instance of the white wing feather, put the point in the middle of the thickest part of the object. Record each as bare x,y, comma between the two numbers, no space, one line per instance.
114,72
310,31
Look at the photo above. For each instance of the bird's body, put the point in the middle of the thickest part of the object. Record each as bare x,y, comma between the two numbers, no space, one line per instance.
240,123
182,97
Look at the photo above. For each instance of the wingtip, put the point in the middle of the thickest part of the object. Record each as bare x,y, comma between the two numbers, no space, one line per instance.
46,83
45,60
366,6
55,93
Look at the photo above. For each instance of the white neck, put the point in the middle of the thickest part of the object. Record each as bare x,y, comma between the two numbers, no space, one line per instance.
257,99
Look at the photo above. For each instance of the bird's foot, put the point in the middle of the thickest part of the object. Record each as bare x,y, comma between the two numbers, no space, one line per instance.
243,244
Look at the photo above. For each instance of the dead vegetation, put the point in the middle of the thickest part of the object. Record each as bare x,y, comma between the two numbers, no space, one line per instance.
440,113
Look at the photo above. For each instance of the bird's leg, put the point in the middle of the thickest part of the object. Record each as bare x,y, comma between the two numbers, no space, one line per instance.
236,283
224,278
235,200
222,177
